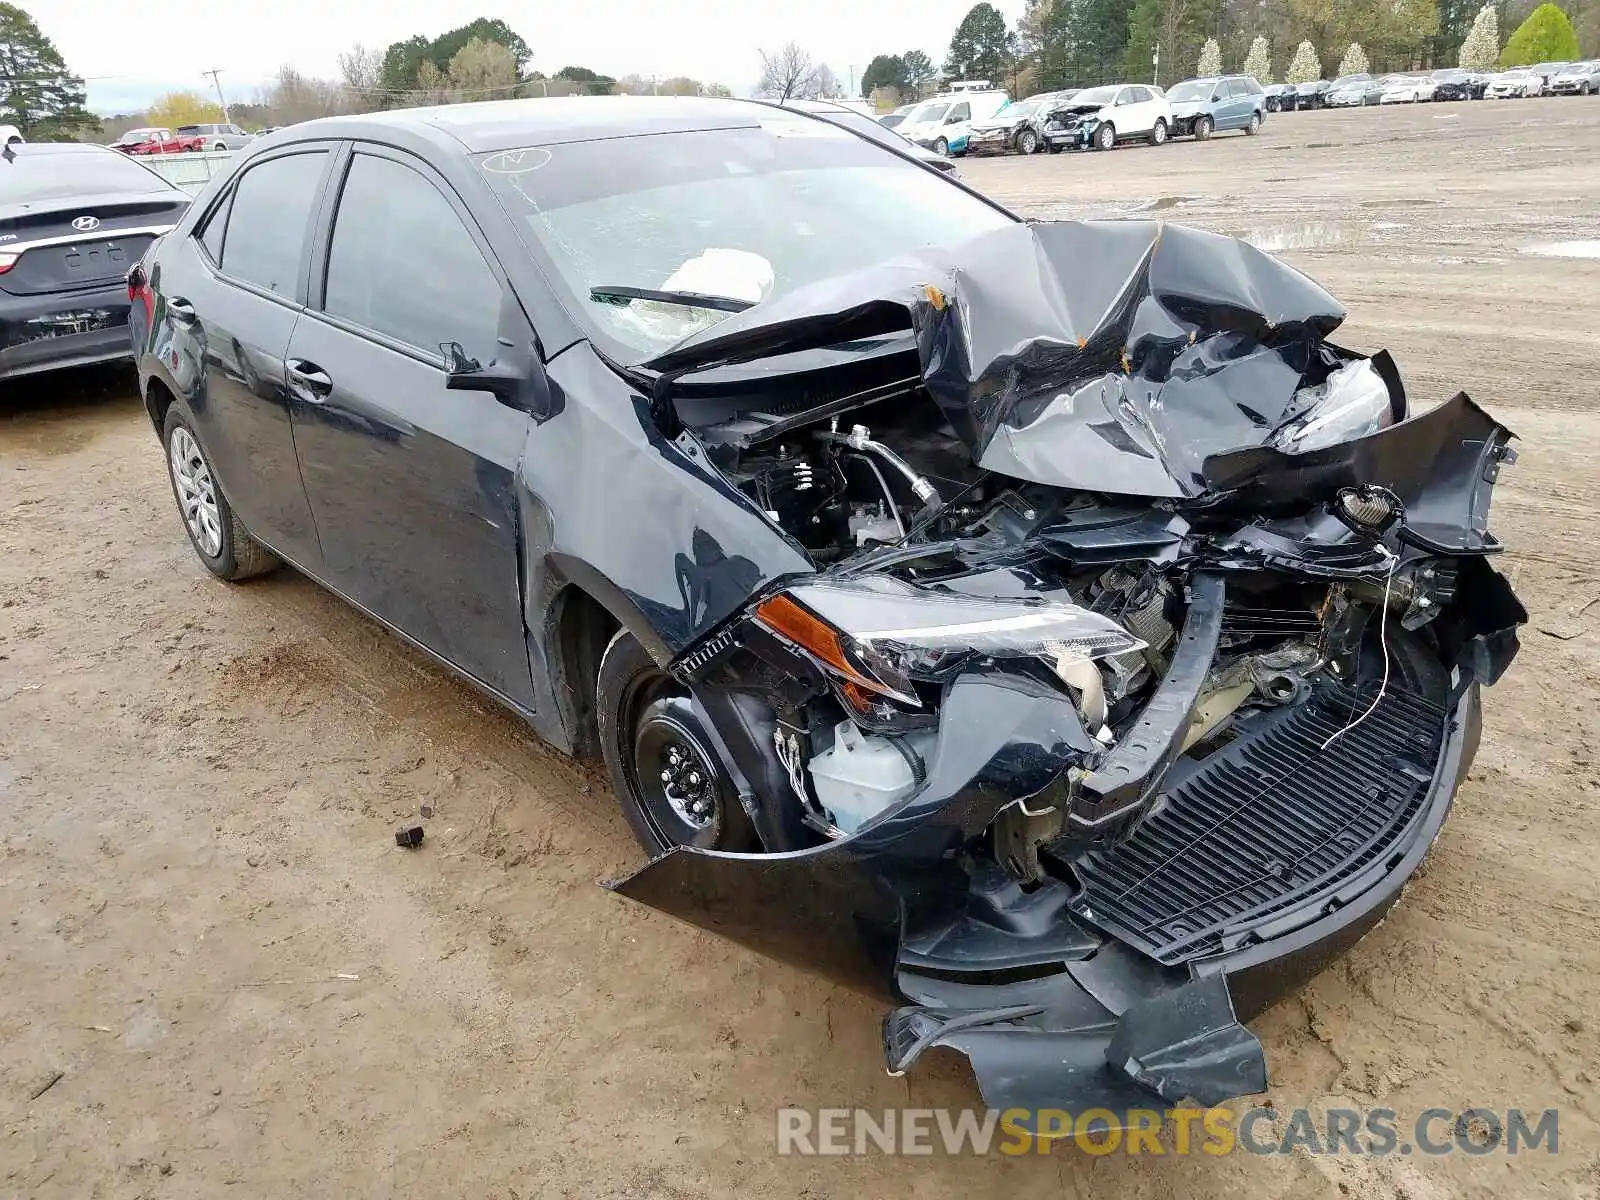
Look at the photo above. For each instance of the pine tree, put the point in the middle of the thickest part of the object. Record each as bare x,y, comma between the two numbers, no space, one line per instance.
1210,59
1481,49
37,93
1306,67
1258,63
1354,61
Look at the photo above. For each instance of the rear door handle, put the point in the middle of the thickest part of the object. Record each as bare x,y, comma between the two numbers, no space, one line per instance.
308,380
180,310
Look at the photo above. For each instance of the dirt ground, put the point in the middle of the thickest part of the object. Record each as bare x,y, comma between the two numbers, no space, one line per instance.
207,931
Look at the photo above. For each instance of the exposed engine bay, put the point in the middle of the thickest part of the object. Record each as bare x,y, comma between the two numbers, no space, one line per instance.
1139,659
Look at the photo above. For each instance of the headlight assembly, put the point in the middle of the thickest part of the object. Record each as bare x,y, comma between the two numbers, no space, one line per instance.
879,634
1350,403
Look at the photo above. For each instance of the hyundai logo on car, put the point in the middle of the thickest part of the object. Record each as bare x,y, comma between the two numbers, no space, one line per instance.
84,224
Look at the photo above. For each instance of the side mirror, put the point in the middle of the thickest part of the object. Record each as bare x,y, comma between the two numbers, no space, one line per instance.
521,388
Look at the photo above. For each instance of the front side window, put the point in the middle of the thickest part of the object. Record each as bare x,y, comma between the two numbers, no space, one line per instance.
748,214
960,112
271,209
402,263
1193,89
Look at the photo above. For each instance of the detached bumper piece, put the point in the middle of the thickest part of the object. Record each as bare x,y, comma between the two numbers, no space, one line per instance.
1068,1050
1260,838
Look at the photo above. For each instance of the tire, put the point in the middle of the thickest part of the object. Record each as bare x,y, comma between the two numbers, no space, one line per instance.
1202,129
642,710
219,538
1158,132
216,146
1027,142
941,148
1105,138
1254,127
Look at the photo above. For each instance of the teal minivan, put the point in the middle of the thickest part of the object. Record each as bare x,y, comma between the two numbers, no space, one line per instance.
1201,107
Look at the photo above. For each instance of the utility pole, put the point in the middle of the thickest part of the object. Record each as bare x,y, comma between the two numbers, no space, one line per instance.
1155,61
216,83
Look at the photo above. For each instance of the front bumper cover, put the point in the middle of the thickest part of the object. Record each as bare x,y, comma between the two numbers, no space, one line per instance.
1051,1011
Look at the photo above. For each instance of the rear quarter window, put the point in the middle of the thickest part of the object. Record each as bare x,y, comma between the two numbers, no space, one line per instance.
268,219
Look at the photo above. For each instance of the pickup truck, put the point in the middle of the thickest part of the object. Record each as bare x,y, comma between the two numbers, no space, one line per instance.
157,141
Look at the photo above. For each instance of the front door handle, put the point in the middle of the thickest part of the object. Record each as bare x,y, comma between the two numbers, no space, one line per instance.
308,380
180,310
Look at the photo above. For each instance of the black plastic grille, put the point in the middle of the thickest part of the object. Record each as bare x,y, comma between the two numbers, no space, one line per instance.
1266,823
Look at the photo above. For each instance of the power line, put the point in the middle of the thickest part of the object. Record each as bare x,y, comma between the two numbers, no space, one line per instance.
216,83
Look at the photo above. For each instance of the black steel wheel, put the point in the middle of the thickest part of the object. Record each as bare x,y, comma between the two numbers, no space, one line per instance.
663,763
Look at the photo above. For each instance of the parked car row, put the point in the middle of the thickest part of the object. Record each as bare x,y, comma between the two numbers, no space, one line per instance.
1447,83
1083,118
192,139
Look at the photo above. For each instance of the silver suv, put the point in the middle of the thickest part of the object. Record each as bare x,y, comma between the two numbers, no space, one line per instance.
218,137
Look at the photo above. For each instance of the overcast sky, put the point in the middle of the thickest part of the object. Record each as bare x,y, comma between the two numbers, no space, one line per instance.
128,54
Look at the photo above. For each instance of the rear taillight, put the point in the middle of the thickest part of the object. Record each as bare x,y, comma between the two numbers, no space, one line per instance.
136,281
7,261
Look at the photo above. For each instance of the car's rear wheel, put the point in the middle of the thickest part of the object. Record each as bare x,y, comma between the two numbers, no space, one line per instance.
218,537
1105,138
1158,133
662,760
1202,129
941,147
1255,125
1028,142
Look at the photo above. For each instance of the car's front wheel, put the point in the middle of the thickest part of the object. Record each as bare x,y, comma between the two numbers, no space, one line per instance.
218,537
941,147
1028,142
1202,129
1105,138
1158,134
662,760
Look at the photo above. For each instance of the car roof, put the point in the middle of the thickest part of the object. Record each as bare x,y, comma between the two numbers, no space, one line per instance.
35,149
509,124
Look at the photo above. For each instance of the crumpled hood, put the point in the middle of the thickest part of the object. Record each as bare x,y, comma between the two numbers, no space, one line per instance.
1111,356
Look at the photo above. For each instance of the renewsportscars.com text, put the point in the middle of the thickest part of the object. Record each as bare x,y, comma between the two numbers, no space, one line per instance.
1374,1132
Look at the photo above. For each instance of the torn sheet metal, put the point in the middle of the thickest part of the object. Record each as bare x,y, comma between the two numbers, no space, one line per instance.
1111,356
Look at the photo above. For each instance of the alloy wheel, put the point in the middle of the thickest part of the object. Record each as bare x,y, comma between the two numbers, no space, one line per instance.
197,491
1027,141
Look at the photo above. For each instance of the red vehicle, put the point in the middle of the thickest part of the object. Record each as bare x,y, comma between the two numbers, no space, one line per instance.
157,141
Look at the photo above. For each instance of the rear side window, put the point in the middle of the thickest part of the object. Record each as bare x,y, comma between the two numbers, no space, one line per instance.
403,264
270,211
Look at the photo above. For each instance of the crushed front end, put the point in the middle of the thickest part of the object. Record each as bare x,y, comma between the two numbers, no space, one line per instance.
1138,671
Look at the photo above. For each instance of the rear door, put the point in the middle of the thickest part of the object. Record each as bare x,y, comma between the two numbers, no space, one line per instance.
1236,104
1140,108
411,484
230,296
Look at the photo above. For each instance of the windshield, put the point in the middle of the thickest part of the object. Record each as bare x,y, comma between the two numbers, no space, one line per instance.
928,112
1193,89
32,176
134,136
1096,95
1449,75
1545,67
744,214
1350,80
1020,108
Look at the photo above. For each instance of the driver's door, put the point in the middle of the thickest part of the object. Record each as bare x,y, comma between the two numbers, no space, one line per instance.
412,485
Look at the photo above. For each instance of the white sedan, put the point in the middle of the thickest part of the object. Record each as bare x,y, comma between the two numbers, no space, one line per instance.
1510,84
1407,89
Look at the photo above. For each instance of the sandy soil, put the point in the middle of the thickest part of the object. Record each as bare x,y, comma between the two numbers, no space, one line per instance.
207,931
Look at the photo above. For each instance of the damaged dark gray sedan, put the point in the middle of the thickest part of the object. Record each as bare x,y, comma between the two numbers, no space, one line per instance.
1045,625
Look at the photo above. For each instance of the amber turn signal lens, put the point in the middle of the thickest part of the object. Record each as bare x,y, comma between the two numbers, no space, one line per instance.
782,615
